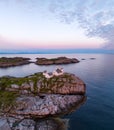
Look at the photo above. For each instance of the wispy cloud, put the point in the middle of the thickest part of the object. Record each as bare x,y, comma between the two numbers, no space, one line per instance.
96,17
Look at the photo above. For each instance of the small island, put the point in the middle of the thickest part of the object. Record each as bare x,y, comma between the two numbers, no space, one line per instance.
14,61
36,96
59,60
92,58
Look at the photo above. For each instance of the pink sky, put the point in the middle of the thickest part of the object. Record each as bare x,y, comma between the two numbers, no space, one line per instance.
23,25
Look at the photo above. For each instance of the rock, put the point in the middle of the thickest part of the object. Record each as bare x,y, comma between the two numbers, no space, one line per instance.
52,124
37,97
25,86
72,85
30,124
46,125
59,60
14,86
15,61
26,124
92,58
4,124
50,105
64,84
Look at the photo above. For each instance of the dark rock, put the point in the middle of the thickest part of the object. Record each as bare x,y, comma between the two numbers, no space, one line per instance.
92,58
15,61
52,124
59,60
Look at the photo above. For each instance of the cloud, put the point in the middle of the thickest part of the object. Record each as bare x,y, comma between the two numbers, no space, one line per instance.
96,17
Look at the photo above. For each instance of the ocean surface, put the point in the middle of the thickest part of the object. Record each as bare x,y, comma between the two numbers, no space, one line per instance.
97,113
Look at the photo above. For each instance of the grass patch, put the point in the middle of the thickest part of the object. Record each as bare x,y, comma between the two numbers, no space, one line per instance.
7,100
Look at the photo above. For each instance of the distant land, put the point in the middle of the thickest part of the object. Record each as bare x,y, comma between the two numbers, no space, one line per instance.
56,51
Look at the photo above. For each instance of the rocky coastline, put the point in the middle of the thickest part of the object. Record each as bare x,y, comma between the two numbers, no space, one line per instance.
35,97
15,61
10,123
56,61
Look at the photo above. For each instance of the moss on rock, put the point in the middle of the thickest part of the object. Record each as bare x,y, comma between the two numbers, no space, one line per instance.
7,100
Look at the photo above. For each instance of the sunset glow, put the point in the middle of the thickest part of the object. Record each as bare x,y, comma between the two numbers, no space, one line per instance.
51,24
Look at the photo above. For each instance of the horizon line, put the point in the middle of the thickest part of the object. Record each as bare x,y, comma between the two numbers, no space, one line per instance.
55,51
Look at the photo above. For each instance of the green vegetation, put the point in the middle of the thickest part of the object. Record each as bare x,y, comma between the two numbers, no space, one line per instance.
7,100
37,80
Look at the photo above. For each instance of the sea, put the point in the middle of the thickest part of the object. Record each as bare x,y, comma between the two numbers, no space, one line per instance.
97,71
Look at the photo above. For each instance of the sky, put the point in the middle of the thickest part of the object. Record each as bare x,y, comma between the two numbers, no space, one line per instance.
56,24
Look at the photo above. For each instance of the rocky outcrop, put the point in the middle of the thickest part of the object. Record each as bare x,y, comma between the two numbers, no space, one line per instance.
35,96
63,84
10,123
46,105
15,61
59,60
92,58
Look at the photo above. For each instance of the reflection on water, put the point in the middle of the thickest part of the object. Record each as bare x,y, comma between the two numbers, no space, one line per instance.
29,124
98,74
52,124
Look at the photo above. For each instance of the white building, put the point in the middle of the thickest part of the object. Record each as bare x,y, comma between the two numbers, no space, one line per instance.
58,71
47,75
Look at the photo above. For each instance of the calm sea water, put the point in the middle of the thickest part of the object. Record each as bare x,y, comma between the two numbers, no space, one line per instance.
98,74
